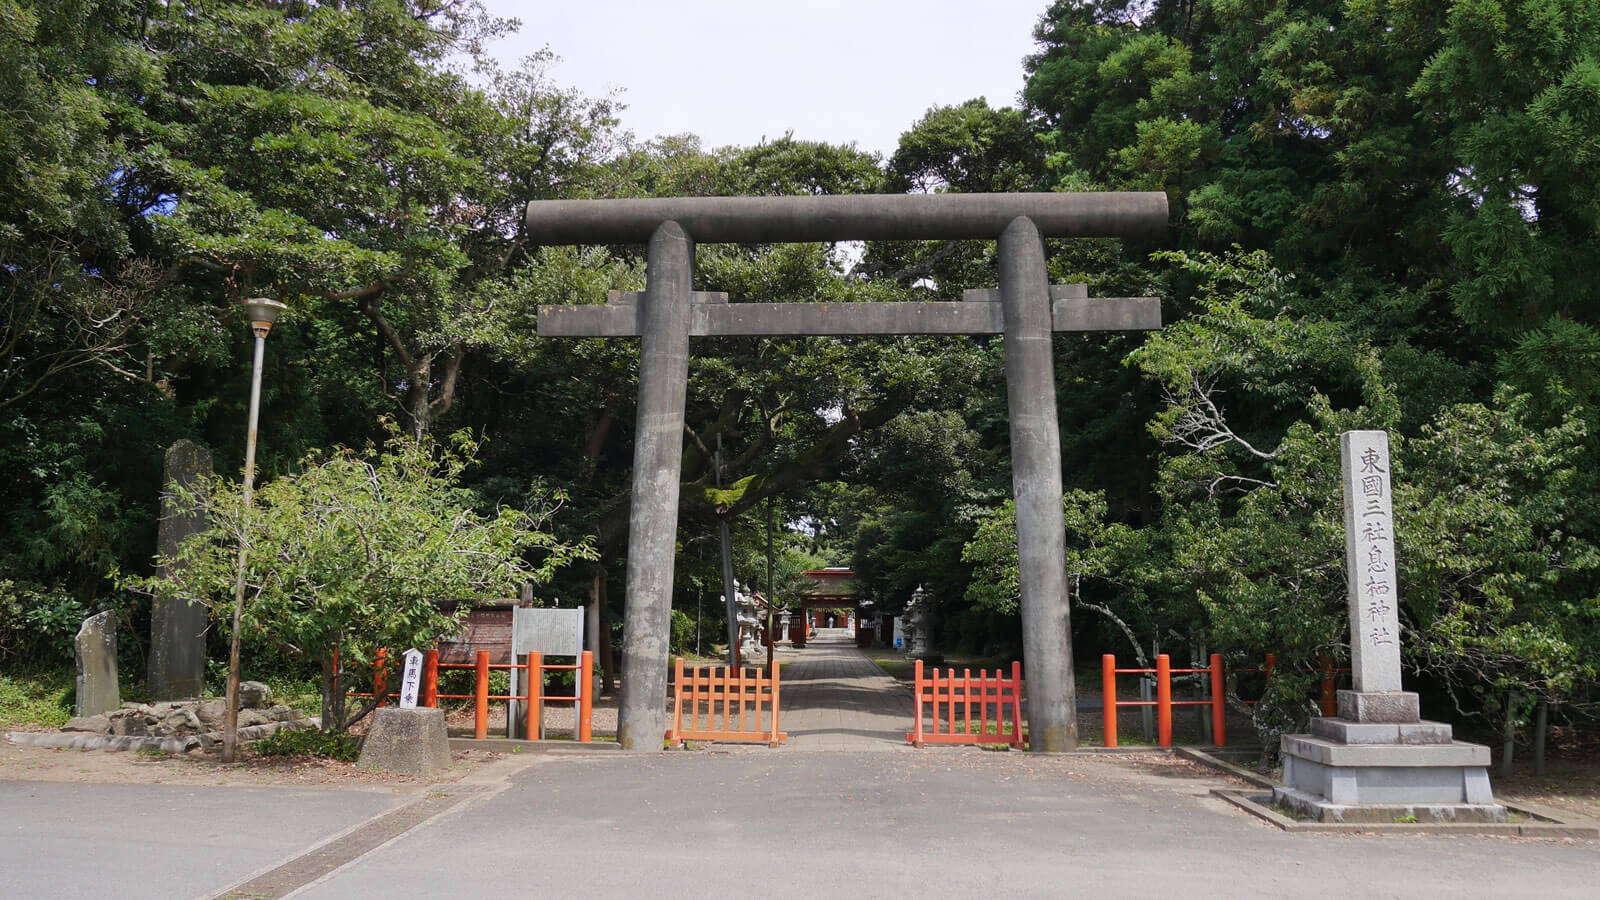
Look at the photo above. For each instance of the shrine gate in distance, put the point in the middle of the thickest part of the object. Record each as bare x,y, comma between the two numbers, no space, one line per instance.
1025,310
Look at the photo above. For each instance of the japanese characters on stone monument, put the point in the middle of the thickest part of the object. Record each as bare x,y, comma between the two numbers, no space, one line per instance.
1378,760
1370,561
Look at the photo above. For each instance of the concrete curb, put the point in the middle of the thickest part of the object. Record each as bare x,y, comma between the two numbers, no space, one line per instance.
1546,827
1239,772
553,748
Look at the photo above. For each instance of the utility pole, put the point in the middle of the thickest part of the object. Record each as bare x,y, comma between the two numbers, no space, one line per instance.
728,586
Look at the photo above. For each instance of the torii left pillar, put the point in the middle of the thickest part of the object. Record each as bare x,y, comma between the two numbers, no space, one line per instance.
657,470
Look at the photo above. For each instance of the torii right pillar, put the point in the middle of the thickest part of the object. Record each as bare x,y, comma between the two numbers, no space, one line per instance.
1036,486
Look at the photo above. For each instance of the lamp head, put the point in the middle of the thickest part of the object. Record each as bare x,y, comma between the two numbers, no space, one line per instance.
262,313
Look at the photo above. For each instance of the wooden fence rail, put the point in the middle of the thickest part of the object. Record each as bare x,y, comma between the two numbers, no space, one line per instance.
745,700
952,698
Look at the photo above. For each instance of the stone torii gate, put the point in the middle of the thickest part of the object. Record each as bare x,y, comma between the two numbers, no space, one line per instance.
1025,310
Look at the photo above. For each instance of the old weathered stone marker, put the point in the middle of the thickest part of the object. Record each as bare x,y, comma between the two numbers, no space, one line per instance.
1025,310
177,664
97,665
1378,761
406,741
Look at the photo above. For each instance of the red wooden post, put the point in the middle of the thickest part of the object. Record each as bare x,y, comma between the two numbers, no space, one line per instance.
1164,700
676,735
430,679
480,709
1016,703
1219,718
983,703
533,726
1108,682
586,692
1330,704
380,680
1272,660
776,670
934,688
966,695
916,700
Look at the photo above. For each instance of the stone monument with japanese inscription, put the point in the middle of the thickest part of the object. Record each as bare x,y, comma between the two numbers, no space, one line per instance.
1378,760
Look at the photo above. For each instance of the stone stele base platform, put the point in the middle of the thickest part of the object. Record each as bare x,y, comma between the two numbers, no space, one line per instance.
1380,762
406,741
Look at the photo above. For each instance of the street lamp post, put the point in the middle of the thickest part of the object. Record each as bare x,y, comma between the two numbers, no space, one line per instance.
262,314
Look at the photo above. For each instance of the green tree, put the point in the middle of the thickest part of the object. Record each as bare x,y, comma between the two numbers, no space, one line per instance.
356,550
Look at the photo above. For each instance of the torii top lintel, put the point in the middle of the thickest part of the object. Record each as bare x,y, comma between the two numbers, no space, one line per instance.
848,217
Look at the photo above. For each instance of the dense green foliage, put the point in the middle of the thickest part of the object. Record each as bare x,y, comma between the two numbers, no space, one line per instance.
1384,216
352,553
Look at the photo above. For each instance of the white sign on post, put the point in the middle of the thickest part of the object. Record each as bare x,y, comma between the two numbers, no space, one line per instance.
411,679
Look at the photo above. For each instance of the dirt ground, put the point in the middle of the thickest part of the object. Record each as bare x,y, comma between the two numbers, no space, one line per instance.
23,763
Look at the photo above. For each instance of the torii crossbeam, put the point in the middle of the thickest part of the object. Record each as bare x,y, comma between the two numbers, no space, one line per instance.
1025,309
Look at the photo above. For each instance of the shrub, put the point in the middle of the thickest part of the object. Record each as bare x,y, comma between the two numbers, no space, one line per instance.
339,745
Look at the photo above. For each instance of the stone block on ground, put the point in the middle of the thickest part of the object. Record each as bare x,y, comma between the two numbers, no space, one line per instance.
97,665
212,712
95,724
406,741
254,695
177,660
249,718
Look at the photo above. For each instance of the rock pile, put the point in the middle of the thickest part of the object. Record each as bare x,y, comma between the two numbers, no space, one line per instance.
183,718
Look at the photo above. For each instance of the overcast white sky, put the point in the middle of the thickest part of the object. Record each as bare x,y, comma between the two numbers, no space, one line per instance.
735,71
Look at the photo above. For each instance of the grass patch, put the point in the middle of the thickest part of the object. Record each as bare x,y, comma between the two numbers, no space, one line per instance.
339,745
42,698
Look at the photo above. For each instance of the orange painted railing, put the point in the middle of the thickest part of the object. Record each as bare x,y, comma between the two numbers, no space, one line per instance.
1163,702
534,697
746,698
1327,695
952,698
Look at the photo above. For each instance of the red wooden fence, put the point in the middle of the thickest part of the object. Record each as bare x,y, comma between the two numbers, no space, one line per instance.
952,698
535,698
1164,702
747,700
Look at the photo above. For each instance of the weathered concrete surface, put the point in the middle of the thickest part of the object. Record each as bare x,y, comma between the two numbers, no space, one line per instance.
789,319
1379,707
177,662
406,741
858,217
931,823
156,842
657,468
1036,485
96,647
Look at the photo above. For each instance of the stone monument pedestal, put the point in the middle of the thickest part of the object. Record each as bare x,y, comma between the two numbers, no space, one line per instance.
1380,761
406,741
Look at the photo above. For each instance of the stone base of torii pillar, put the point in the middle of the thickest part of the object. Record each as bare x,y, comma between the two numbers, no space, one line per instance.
1378,761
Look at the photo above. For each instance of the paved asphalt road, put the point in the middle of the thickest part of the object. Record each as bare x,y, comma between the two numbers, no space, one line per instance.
845,810
131,841
941,823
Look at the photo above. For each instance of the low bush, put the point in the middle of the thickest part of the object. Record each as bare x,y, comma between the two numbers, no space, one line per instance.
338,745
